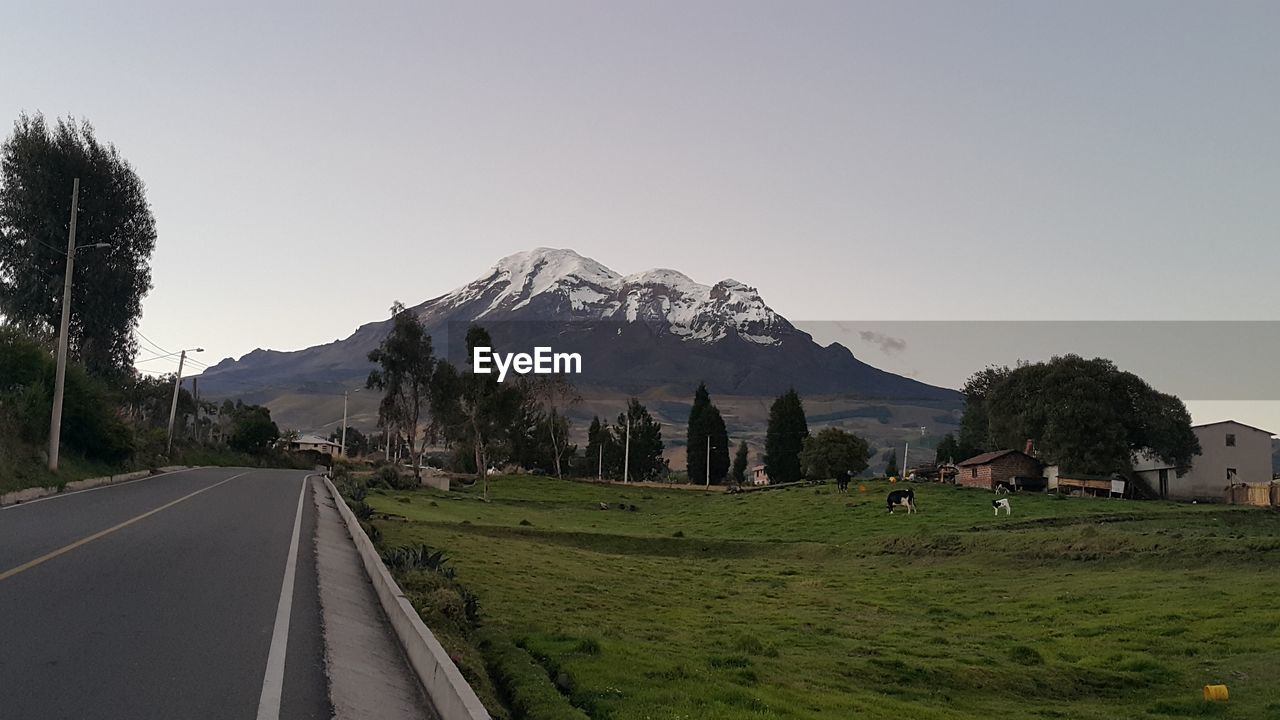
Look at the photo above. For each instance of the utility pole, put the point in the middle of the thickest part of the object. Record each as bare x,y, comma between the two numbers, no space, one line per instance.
708,461
195,395
905,449
626,456
173,407
600,462
59,382
344,422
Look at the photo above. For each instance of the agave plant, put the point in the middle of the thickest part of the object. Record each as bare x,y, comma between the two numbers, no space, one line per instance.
419,557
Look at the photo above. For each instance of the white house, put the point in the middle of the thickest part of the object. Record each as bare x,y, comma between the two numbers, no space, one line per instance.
758,476
316,443
1230,452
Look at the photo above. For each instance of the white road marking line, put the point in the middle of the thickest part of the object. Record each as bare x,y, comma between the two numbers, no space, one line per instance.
273,679
102,533
99,487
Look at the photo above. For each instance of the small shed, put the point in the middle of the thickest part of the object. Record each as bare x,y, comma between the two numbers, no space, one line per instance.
1083,484
1002,467
758,476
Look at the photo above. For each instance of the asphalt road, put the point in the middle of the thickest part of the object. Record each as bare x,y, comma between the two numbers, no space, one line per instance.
163,598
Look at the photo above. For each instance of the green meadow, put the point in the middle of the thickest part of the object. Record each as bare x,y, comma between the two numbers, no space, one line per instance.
806,603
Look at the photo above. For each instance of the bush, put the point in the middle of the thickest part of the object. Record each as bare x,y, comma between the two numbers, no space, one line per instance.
391,478
91,424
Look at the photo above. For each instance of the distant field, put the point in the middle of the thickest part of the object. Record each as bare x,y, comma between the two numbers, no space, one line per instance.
805,603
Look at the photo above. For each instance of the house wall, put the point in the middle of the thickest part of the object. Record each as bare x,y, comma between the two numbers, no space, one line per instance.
326,449
1206,479
1051,476
1002,469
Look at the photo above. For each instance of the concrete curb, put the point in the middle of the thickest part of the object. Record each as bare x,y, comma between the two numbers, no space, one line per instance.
449,692
29,494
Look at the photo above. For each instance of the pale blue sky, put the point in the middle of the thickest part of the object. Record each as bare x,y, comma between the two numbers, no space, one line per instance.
308,163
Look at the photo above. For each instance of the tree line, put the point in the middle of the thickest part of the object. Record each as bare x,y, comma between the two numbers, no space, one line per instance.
429,401
112,414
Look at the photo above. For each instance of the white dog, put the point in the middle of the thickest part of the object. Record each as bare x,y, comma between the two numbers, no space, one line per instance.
997,505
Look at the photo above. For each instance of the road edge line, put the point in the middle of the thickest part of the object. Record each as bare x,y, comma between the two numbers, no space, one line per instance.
97,483
273,679
448,691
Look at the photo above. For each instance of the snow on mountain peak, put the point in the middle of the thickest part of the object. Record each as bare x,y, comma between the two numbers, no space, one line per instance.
593,291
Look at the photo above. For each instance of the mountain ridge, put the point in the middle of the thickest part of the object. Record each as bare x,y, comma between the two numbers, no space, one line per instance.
645,329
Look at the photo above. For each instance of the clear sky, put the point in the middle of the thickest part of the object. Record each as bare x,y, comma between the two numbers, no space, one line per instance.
309,163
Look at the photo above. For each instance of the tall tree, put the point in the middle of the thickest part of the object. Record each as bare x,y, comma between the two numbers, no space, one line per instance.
975,437
706,423
38,164
475,408
554,394
891,465
832,451
1087,416
740,463
645,446
604,450
948,451
696,434
251,428
406,364
785,439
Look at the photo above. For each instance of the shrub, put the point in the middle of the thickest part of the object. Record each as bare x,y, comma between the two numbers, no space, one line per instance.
391,478
587,646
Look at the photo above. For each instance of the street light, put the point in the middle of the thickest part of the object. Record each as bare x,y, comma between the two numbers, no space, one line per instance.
59,381
707,461
345,395
173,408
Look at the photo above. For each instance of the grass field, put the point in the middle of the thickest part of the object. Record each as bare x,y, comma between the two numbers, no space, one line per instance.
804,603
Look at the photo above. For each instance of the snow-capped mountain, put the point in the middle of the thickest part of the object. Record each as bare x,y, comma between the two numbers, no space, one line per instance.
638,332
560,285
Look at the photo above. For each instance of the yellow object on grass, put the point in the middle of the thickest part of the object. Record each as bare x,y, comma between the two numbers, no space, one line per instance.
1215,692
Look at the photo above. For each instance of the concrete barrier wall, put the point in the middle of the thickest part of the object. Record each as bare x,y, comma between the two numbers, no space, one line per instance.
21,496
452,697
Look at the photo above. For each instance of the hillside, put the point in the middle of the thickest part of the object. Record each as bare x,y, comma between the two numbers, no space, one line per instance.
636,333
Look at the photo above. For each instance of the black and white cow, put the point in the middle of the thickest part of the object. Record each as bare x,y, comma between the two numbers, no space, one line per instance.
842,480
902,498
1002,504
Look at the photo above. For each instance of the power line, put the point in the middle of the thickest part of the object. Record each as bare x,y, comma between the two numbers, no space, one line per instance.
170,356
151,342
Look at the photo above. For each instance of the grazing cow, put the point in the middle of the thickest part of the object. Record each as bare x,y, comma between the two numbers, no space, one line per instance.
842,480
1002,488
604,506
1002,503
902,498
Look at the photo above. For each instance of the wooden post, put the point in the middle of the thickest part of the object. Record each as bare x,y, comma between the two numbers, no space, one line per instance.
59,381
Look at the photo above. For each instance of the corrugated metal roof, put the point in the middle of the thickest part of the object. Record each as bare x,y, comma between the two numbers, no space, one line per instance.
985,458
